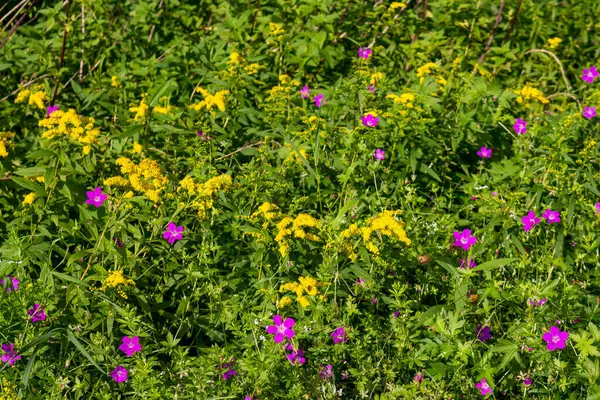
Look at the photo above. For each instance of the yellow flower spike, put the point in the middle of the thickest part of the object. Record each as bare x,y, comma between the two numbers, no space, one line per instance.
140,111
29,199
553,43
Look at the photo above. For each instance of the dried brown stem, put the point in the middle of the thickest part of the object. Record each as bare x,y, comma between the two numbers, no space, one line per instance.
254,16
62,53
512,22
491,39
17,24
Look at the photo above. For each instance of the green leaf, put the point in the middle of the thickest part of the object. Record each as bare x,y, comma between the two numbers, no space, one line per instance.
493,264
69,278
34,187
164,90
27,372
83,351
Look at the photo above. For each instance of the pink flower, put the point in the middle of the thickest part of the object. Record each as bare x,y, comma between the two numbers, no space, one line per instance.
339,335
95,197
527,381
305,92
379,155
597,205
589,75
484,152
281,329
529,221
10,355
50,110
130,346
483,386
173,232
520,126
370,120
319,100
464,239
364,52
15,283
589,112
553,217
36,313
296,356
371,88
119,374
462,264
418,377
555,339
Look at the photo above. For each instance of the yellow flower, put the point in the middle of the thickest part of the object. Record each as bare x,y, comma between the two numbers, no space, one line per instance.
163,110
309,285
23,95
396,4
146,177
116,279
137,148
554,42
29,199
303,301
211,100
285,301
140,111
234,58
5,142
528,92
114,81
376,77
38,99
276,29
425,70
68,123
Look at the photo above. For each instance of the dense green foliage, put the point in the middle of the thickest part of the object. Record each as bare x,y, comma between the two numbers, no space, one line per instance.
190,112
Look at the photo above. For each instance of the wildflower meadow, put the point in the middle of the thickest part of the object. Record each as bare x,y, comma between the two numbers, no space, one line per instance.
299,199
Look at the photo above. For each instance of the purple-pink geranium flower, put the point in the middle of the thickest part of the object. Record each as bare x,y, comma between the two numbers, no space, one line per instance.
527,381
370,120
119,374
326,371
95,197
173,232
589,112
296,357
536,303
228,374
50,110
462,263
371,88
483,387
520,126
36,313
305,92
281,329
552,217
483,333
464,239
339,335
15,283
130,345
418,377
10,355
590,74
484,152
364,52
529,221
379,155
319,100
597,205
555,338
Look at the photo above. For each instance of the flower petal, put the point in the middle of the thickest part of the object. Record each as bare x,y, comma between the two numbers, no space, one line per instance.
289,323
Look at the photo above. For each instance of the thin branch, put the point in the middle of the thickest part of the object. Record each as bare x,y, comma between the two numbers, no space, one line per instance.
343,14
238,150
256,8
62,52
567,95
562,70
512,22
491,39
21,5
154,25
17,24
22,87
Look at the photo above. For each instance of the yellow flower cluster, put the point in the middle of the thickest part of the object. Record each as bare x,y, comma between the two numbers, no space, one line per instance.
211,100
295,227
396,4
35,96
276,29
406,99
35,178
140,111
9,390
307,285
114,81
425,70
29,199
205,192
69,123
313,124
376,78
146,177
137,148
5,142
554,42
294,158
268,211
115,280
237,63
530,93
276,103
384,223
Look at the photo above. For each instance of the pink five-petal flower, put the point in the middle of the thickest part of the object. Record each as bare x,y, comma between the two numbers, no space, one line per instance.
483,387
339,335
364,52
305,92
589,112
15,283
173,232
520,126
130,345
36,313
484,152
370,120
530,220
319,100
553,217
281,329
464,239
51,110
371,88
555,338
597,205
95,197
119,374
10,355
590,74
379,155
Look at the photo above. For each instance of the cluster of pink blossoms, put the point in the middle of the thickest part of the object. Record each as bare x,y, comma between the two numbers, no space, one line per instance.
530,220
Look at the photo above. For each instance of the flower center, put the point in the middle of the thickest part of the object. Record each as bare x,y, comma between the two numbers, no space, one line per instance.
464,240
555,339
485,386
281,329
96,198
